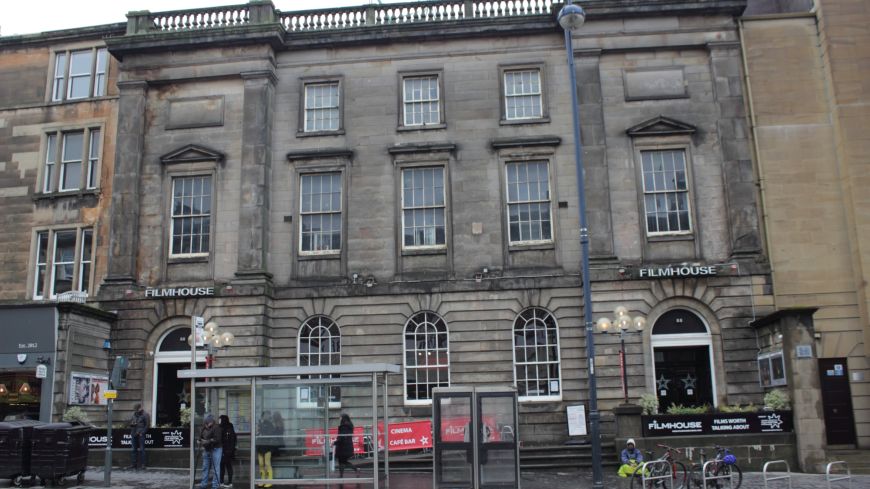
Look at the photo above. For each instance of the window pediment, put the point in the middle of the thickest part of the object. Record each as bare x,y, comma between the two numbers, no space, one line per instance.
661,126
192,153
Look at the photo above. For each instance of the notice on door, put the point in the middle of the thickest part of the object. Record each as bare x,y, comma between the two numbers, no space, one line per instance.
577,420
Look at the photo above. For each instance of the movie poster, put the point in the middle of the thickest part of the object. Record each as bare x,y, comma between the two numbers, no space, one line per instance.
87,389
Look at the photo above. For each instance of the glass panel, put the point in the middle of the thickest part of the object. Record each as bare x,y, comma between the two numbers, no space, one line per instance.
59,76
41,263
100,79
64,261
50,158
455,468
93,157
500,467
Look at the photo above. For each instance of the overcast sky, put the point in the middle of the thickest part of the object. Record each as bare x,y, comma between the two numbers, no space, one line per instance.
27,17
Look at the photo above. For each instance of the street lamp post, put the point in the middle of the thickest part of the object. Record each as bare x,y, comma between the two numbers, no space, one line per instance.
623,322
571,18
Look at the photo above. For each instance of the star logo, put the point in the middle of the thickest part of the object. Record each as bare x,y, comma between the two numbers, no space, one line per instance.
663,383
772,421
689,381
424,440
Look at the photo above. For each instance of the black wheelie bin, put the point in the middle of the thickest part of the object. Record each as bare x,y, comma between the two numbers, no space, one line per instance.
15,445
60,450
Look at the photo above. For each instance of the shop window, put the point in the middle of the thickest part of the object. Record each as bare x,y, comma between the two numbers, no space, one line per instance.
319,345
427,357
63,259
771,369
536,356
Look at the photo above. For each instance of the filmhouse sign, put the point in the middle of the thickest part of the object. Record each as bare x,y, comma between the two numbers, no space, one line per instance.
717,424
179,292
678,271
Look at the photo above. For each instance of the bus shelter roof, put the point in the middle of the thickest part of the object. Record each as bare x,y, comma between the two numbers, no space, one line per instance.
271,372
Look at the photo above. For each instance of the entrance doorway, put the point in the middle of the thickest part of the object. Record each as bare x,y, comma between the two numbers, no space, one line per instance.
171,394
683,360
837,401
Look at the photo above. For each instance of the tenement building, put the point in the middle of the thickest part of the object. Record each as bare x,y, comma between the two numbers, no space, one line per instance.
58,102
397,184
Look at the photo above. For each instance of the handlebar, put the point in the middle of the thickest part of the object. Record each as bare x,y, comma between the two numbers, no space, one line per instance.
678,450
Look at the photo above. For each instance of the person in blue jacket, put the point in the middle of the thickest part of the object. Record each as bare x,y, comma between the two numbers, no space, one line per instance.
631,459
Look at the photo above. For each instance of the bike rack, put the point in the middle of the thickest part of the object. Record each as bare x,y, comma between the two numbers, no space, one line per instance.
829,477
787,475
704,477
666,475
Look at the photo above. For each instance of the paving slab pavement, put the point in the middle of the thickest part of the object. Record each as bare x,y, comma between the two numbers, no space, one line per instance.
177,479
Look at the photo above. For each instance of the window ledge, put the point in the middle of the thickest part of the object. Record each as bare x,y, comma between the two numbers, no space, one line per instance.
532,246
187,259
424,251
313,134
425,402
66,194
422,127
514,122
658,238
83,99
324,256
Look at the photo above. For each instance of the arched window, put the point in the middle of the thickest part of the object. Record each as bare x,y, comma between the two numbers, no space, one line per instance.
319,344
427,359
536,355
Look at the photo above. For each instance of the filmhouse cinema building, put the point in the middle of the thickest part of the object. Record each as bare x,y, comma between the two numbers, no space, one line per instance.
396,184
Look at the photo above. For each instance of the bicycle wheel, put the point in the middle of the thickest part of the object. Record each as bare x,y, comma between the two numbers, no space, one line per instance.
735,473
680,480
636,481
694,481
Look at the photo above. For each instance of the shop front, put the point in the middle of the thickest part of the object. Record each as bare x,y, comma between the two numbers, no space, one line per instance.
27,357
51,358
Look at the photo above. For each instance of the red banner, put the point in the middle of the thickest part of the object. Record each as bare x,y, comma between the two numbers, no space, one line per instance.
407,436
314,440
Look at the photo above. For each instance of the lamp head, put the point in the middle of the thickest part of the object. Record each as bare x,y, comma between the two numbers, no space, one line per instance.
227,338
603,325
639,323
571,18
211,327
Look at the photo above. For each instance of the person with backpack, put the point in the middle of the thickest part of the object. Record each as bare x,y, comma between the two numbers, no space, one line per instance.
210,441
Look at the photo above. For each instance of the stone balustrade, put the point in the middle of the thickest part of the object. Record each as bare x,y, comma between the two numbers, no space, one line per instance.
263,11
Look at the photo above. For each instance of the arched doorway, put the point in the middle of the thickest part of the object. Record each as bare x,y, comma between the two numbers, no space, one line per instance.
170,392
683,360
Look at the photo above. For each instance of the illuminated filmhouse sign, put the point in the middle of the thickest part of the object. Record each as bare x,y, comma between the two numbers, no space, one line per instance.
179,292
678,271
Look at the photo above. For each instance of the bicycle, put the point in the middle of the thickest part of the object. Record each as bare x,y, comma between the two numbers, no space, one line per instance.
725,464
678,471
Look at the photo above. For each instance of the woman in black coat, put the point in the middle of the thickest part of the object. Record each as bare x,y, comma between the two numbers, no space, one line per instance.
228,442
344,445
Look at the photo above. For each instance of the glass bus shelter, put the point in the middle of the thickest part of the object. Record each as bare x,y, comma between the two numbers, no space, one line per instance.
292,415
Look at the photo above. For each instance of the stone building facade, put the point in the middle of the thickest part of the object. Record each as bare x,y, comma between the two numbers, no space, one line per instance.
807,66
58,105
400,180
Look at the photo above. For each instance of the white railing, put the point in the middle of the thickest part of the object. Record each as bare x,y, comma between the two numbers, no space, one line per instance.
785,477
831,476
650,471
76,296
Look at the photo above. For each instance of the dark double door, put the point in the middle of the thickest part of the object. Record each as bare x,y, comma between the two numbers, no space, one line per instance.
837,401
683,376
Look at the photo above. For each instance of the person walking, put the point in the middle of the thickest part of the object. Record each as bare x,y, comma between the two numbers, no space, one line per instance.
139,423
265,446
210,440
344,445
228,443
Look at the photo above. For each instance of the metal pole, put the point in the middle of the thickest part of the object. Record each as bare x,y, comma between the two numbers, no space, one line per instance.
622,366
386,431
107,474
594,415
375,474
193,337
254,421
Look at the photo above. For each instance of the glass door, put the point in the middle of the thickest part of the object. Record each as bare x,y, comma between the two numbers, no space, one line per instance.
454,446
498,463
